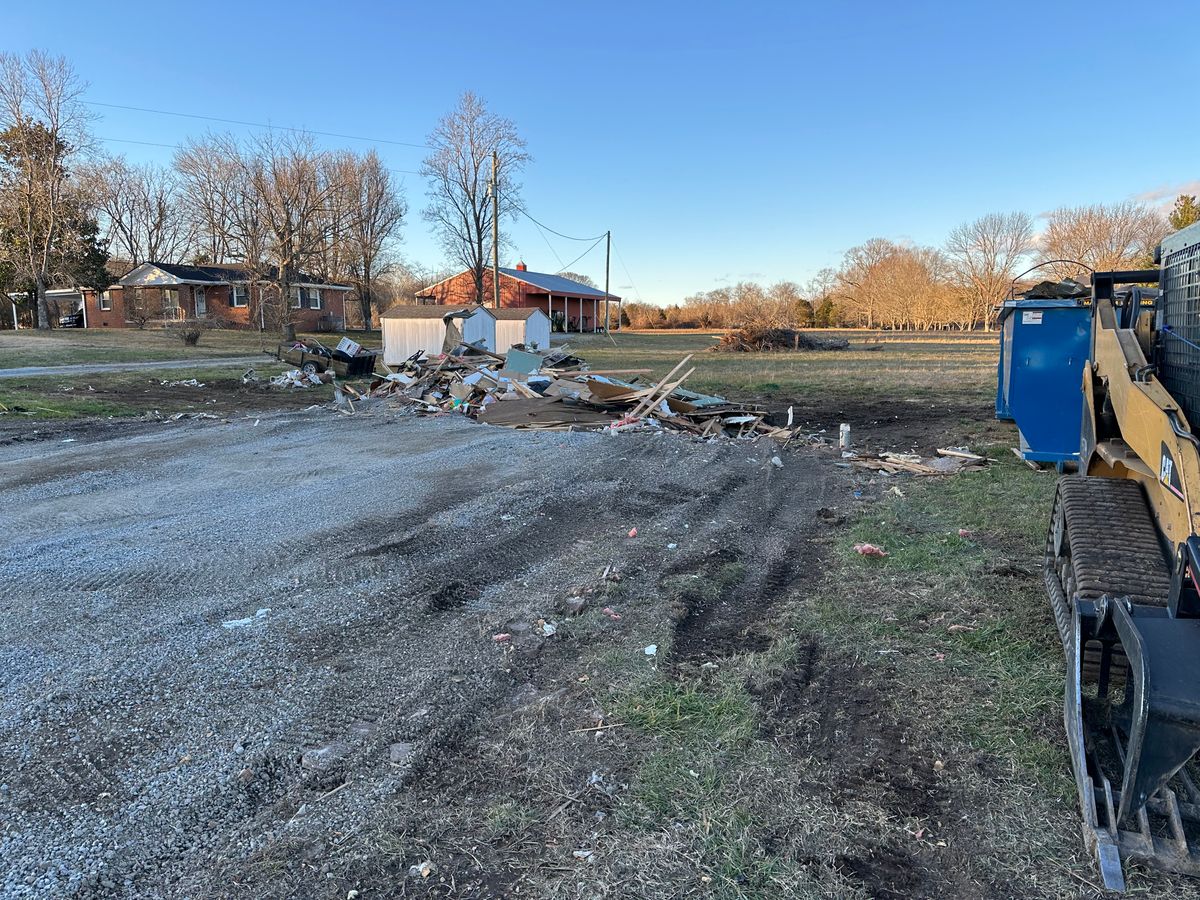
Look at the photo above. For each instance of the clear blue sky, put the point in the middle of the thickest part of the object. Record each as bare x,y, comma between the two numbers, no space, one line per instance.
718,141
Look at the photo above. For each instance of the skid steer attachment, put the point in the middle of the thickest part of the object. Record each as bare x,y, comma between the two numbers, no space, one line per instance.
1129,620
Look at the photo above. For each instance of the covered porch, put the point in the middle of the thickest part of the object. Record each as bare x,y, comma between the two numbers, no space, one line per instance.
568,313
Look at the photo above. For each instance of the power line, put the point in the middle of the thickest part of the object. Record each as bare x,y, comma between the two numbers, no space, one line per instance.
522,211
545,239
177,147
583,254
167,112
621,260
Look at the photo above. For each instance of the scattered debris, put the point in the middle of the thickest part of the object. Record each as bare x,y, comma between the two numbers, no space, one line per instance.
608,611
502,637
947,462
965,533
248,621
869,550
633,532
422,869
296,378
189,382
652,650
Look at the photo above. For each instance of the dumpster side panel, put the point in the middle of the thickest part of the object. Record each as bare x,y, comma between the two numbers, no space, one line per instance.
1049,346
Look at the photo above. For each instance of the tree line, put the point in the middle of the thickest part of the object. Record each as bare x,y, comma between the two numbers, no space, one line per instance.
278,204
886,284
275,203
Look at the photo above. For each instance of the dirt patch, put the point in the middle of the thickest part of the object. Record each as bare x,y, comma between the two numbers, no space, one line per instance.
890,424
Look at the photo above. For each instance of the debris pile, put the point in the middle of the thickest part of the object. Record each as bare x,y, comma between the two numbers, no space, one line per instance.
949,461
296,378
763,340
554,390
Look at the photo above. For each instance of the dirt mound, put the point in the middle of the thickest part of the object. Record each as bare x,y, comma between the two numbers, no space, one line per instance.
761,340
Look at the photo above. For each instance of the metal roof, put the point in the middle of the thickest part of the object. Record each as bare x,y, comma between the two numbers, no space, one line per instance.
556,284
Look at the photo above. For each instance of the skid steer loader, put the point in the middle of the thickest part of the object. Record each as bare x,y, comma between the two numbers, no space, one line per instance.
1122,569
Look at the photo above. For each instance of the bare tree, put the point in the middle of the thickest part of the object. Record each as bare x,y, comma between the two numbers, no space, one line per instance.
860,286
582,279
985,254
142,211
213,185
44,128
459,171
1102,237
293,188
377,212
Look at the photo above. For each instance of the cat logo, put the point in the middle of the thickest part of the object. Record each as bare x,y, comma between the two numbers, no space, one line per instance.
1168,475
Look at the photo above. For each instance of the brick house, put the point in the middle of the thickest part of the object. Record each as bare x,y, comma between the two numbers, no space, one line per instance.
165,292
570,305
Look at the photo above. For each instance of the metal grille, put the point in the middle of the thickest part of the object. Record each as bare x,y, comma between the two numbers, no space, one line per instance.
1180,368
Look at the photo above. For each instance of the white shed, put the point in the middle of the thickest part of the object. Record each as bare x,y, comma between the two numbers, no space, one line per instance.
409,329
526,325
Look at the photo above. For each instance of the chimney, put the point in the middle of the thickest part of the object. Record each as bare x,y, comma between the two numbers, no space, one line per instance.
521,267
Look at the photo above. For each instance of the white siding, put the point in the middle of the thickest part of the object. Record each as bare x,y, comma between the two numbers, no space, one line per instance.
534,330
480,327
403,337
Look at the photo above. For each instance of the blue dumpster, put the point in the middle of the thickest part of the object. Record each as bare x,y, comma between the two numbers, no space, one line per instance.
1043,347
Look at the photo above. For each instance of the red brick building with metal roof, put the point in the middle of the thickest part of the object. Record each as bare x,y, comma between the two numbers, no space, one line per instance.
570,305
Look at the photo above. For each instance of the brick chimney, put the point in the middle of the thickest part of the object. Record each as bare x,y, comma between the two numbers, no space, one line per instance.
521,267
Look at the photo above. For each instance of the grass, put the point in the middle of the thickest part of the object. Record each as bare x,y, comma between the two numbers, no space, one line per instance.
126,394
77,346
936,367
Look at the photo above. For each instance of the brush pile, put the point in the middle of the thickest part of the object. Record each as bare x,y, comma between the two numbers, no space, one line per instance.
764,340
555,390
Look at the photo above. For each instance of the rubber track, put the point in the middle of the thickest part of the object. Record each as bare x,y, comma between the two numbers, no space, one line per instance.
1114,545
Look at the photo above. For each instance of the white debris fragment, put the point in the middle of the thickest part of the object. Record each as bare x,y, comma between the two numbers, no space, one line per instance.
652,650
248,621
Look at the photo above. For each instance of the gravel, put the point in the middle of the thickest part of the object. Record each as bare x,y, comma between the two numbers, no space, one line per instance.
218,637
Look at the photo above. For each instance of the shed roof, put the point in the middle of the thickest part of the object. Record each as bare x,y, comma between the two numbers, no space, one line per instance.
428,311
515,312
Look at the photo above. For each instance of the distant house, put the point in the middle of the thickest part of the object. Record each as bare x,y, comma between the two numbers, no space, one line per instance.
170,292
411,329
575,306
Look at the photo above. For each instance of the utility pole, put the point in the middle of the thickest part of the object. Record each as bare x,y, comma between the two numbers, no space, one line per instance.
607,254
495,230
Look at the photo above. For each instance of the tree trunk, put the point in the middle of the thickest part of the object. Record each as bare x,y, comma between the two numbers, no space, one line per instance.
364,301
43,308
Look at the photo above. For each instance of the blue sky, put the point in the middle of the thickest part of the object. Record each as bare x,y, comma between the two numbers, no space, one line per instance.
719,142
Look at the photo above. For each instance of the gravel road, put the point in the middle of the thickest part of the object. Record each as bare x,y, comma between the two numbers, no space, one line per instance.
219,638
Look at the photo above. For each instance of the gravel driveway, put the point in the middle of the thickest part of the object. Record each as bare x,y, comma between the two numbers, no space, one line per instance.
218,637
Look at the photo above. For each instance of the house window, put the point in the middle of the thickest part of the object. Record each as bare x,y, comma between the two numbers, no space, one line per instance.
105,300
238,295
297,299
170,297
314,298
